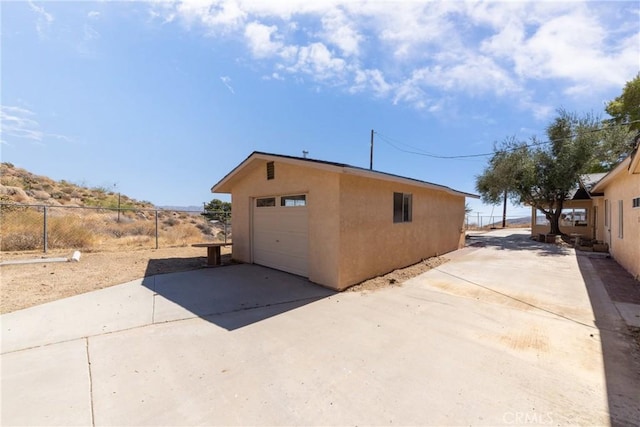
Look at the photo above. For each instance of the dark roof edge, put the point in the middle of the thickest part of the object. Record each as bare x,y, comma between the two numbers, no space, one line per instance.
344,166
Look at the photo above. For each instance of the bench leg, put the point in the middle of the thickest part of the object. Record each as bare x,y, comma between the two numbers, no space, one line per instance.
213,256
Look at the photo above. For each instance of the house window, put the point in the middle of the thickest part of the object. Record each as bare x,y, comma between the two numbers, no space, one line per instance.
636,202
271,170
266,202
607,213
402,207
290,201
573,218
620,220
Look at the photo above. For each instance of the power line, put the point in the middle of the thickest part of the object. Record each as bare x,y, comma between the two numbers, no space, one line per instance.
394,143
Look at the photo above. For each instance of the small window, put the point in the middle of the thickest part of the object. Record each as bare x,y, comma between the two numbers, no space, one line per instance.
402,207
636,202
289,201
607,212
271,170
620,220
266,202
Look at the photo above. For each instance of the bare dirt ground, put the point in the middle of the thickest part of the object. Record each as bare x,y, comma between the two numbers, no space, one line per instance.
27,285
396,277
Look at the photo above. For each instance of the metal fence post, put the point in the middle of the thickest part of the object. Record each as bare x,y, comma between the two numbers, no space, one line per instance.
44,231
156,229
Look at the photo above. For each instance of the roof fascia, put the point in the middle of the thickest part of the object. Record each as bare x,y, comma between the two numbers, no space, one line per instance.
599,187
337,168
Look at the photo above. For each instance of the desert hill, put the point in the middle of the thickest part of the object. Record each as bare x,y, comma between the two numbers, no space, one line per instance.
18,185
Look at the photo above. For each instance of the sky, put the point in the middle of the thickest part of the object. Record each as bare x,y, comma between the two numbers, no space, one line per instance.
161,99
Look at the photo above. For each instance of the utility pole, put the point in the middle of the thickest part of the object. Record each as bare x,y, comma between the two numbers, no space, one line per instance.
504,211
371,152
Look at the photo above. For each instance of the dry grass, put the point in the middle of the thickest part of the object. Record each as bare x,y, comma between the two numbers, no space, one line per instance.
89,230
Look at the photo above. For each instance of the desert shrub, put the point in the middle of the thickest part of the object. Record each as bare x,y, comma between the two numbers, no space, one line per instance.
69,232
142,228
171,222
21,230
10,181
204,228
182,234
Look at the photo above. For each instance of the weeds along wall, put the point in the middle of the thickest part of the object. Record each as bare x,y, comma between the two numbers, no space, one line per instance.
40,227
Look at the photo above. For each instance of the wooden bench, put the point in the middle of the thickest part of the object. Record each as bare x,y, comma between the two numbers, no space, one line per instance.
213,252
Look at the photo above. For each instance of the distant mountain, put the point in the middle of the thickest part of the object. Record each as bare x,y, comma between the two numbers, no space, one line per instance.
182,208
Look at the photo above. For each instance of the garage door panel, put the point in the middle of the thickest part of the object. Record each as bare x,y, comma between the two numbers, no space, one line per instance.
280,238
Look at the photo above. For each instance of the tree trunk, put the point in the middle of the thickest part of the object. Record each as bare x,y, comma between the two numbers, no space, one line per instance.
554,218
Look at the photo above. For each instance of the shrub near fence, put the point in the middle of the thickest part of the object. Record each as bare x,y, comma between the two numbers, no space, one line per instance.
33,227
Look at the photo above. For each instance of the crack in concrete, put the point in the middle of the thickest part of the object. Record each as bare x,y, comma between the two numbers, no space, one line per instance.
93,421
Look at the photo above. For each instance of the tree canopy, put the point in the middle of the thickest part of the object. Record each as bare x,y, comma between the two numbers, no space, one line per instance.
626,107
542,173
217,210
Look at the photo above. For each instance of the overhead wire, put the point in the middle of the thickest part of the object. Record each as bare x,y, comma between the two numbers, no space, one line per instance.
417,151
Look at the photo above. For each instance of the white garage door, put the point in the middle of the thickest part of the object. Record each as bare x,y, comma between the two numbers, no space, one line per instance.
280,233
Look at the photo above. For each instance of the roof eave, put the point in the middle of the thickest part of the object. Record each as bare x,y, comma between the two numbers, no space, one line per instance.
225,184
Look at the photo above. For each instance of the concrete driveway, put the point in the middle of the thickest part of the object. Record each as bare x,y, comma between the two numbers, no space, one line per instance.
509,332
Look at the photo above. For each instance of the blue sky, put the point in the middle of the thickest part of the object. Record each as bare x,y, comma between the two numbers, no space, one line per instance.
163,98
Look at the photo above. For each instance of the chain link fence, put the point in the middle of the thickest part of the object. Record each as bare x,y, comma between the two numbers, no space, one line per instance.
40,227
478,222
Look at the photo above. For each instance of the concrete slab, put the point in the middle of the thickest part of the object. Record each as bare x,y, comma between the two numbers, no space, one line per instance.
508,332
106,310
409,356
228,289
630,313
47,386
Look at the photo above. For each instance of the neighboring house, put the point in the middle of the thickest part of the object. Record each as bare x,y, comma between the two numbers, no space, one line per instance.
606,207
578,216
337,224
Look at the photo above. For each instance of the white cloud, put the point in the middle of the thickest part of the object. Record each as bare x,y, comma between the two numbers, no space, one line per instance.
227,82
20,123
44,18
94,14
425,52
317,60
258,37
341,32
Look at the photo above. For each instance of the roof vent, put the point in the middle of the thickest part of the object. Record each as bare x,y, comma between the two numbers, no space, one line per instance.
271,171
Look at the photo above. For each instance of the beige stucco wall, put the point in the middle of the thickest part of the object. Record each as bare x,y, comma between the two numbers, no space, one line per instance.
322,205
352,236
585,232
625,250
372,244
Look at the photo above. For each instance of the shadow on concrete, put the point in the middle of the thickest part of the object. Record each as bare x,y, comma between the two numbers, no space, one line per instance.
231,296
517,242
620,352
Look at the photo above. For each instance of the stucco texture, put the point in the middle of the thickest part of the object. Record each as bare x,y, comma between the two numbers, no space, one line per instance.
352,236
626,249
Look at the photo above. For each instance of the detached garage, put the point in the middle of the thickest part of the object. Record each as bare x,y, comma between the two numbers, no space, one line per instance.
337,224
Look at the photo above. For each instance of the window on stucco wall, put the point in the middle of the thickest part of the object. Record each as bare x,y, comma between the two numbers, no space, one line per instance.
402,206
576,217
